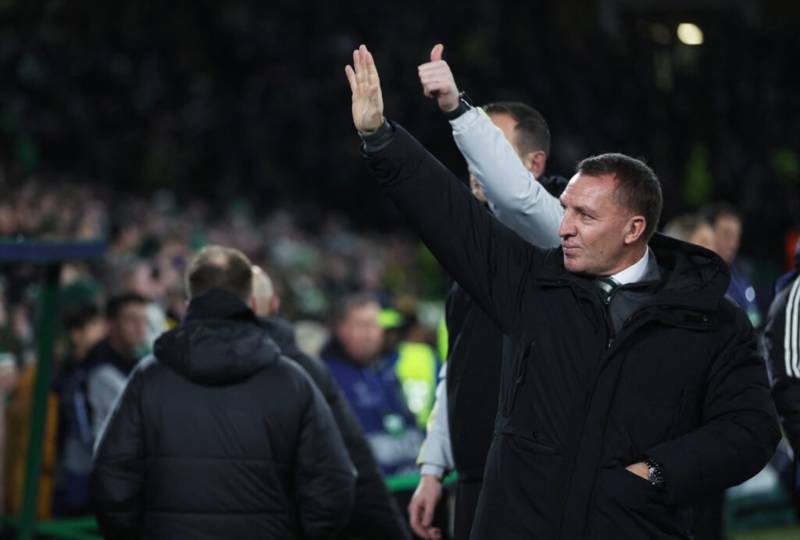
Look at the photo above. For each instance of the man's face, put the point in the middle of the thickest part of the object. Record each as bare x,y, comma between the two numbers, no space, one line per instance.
130,327
360,333
703,236
594,227
727,234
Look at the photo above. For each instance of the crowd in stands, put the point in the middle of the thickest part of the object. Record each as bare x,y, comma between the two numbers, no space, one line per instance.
110,311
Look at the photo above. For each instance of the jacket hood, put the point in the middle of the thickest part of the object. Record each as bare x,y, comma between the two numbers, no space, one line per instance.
696,277
692,277
219,342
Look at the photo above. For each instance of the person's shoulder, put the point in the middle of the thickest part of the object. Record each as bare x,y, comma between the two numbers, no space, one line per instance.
314,367
786,300
148,365
286,371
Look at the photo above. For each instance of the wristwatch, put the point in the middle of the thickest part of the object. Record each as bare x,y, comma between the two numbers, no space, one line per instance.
654,473
464,105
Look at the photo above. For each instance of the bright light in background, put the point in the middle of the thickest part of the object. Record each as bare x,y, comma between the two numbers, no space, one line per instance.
690,34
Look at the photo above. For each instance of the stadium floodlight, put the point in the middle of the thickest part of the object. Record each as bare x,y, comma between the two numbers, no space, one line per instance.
690,34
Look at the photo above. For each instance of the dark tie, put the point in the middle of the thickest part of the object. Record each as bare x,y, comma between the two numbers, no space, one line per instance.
607,286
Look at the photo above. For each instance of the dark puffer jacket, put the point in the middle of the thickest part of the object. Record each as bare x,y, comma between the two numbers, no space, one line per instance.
782,352
219,436
375,512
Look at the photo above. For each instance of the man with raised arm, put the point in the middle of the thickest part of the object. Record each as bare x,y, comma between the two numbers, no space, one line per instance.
506,145
634,387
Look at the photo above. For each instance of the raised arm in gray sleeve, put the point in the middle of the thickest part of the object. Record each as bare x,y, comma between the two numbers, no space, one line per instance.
514,195
436,455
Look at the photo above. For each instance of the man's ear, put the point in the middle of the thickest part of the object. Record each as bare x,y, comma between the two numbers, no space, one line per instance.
275,304
534,161
635,229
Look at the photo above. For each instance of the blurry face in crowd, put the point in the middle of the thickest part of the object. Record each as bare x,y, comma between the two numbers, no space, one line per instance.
596,231
128,331
728,233
360,334
85,337
703,236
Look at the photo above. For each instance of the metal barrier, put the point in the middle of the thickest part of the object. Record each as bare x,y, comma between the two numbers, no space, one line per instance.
50,255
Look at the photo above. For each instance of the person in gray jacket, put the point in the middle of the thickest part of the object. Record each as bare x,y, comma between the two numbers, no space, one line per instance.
506,145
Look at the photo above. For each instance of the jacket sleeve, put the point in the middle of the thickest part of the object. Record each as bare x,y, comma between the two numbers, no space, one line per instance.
117,478
782,352
739,430
436,455
324,477
517,199
485,257
375,512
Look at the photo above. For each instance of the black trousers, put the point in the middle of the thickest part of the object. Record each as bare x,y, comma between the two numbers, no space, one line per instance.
467,492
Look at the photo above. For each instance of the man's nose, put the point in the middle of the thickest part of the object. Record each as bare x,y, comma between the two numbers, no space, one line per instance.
566,228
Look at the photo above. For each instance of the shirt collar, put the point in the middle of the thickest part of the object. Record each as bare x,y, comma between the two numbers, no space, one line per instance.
635,272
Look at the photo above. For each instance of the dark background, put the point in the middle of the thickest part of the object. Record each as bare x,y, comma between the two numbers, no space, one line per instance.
245,98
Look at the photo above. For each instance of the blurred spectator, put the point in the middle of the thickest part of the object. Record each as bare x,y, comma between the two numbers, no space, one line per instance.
726,221
111,360
417,364
218,435
692,228
85,328
781,341
375,514
370,384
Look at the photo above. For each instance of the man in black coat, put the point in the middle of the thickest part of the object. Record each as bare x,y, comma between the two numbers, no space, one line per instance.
782,350
634,387
218,435
781,342
375,513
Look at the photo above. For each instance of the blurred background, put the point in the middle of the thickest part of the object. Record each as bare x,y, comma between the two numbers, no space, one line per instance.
160,127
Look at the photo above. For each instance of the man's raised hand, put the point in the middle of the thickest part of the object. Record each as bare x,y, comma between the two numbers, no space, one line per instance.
438,82
366,88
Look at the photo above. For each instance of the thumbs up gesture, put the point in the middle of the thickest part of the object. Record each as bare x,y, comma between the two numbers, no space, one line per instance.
438,82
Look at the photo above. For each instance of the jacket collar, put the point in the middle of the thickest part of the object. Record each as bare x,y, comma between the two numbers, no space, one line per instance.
218,304
692,277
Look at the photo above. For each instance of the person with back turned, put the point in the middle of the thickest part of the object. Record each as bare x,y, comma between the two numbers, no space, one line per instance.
217,435
375,512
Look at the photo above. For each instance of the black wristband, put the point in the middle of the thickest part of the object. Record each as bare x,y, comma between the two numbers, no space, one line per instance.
464,105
